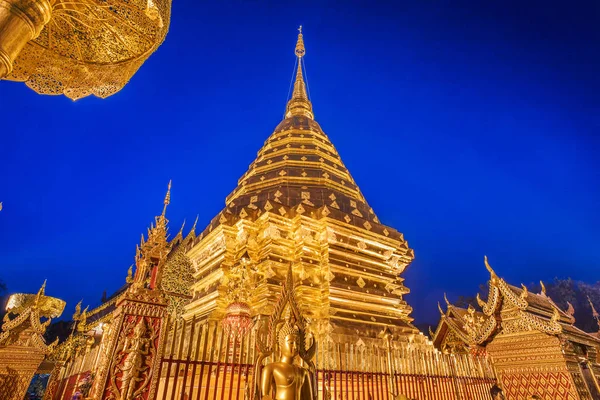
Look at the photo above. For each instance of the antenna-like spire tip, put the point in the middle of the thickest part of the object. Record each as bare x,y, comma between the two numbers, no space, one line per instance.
300,50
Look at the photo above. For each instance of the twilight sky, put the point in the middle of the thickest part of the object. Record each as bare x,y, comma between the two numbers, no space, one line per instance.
473,128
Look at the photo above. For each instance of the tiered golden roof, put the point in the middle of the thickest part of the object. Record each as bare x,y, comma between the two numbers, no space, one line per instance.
508,309
298,171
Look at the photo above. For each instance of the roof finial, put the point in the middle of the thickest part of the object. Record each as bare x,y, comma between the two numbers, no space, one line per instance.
195,222
300,50
41,292
299,105
594,312
167,199
181,229
192,231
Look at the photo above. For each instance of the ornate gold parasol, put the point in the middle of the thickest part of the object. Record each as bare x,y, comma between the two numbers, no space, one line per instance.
79,47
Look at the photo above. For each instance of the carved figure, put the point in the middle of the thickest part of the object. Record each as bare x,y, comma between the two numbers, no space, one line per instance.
292,382
135,348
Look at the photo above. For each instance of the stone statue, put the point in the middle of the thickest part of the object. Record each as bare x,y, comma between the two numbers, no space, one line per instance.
292,382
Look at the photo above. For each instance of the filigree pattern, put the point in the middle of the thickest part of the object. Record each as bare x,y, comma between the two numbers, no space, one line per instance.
92,46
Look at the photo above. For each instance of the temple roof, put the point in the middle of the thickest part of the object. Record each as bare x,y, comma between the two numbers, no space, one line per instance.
522,310
298,171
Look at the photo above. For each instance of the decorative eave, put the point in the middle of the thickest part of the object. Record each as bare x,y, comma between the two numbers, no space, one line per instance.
474,330
536,311
28,309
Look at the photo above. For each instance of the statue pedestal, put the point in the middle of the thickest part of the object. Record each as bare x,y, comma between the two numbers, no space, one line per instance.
134,347
17,367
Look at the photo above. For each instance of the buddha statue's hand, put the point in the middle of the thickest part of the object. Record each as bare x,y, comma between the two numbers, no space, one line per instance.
267,397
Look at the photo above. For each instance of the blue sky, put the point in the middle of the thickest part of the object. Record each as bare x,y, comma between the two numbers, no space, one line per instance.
472,128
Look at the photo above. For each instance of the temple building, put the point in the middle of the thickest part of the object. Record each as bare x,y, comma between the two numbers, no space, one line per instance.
534,345
193,317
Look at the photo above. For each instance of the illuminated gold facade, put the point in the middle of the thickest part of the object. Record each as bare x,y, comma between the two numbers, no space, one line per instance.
535,348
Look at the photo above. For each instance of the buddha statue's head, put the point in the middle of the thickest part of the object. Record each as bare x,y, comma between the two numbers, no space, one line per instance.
289,338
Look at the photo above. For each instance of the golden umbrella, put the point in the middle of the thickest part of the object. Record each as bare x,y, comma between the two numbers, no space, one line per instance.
79,47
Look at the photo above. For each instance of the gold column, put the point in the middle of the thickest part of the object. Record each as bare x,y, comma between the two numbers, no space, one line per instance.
20,22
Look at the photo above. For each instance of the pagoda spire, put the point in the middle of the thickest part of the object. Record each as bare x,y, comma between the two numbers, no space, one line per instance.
299,104
167,199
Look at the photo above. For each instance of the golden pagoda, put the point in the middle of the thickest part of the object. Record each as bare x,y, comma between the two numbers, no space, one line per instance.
298,205
296,247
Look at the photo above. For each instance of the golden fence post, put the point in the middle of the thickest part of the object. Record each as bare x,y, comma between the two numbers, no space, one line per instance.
387,336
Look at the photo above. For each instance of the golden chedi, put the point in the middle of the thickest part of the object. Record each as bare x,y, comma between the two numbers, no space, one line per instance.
298,205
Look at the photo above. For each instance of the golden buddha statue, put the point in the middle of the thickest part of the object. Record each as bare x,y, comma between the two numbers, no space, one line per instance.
292,382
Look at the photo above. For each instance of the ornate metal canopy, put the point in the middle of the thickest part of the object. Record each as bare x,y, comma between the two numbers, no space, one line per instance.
79,47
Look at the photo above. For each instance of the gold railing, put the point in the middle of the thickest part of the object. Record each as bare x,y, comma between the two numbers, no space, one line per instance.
202,362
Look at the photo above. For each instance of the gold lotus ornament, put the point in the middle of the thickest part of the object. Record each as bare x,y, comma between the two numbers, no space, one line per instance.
79,47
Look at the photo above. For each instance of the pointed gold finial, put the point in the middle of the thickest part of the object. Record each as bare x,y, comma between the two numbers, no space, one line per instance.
194,226
129,277
543,292
441,311
570,309
479,301
192,232
82,320
525,292
167,199
299,104
181,229
446,300
300,50
594,312
489,268
40,292
77,310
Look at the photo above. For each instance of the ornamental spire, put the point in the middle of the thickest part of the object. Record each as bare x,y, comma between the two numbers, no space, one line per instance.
167,199
595,314
299,104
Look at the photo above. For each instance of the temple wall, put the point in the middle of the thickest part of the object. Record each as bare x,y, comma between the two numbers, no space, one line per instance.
531,363
75,371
